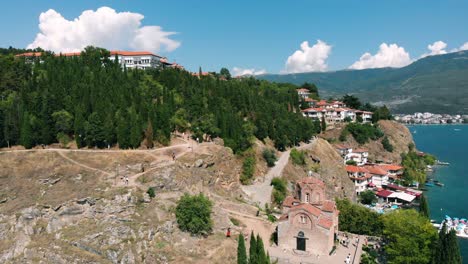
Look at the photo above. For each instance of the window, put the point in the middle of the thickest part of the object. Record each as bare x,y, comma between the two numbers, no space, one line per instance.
303,219
307,198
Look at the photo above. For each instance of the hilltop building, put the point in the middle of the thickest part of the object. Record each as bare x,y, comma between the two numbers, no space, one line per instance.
332,112
128,59
309,221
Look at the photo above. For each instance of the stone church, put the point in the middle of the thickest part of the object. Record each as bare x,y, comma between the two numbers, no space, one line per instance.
309,221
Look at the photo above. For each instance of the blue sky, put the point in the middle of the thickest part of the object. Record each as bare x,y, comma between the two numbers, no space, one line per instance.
262,35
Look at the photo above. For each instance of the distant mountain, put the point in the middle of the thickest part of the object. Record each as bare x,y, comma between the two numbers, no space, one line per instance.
436,84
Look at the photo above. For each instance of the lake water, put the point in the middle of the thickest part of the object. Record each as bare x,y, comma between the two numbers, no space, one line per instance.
450,144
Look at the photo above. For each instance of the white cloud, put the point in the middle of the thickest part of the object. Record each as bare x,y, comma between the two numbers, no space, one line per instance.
388,56
436,48
241,71
462,47
103,28
309,58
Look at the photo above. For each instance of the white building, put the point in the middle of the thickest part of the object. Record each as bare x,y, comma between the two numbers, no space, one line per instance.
360,177
303,93
127,59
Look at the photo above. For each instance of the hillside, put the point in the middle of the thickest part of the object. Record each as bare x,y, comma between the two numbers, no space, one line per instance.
398,135
435,84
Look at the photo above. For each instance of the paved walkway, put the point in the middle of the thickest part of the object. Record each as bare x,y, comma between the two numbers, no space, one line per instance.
260,192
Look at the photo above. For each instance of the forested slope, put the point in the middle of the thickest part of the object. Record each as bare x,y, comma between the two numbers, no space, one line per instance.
92,100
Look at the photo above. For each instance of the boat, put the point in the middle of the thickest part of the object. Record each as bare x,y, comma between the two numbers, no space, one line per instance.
439,184
429,184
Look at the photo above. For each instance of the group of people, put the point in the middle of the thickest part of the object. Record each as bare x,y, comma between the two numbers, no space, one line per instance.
124,179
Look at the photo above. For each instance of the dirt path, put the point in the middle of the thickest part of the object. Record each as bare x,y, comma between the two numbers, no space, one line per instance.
62,154
260,192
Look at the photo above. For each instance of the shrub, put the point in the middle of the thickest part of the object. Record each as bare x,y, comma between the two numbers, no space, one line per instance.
344,135
279,190
387,145
193,214
362,133
270,157
298,157
63,139
351,162
248,168
234,221
368,197
151,192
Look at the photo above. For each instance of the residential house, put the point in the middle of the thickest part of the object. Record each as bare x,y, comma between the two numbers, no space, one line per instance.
360,177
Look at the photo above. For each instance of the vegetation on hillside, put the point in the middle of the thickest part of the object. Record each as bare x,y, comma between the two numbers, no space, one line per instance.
298,156
270,157
358,219
193,213
280,190
362,133
90,99
447,249
415,165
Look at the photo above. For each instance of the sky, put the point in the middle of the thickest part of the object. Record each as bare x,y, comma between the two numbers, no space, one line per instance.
247,37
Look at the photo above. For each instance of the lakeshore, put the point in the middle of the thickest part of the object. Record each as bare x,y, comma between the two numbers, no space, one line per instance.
451,146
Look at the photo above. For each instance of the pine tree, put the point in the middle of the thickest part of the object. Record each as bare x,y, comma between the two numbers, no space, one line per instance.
268,258
253,250
261,256
241,251
423,207
26,132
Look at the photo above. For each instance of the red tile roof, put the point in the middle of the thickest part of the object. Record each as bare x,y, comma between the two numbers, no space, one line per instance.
308,208
328,206
325,222
302,90
391,167
311,180
289,201
29,54
354,169
376,170
384,193
361,150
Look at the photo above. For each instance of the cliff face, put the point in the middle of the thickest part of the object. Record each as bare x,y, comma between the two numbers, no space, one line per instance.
330,170
398,135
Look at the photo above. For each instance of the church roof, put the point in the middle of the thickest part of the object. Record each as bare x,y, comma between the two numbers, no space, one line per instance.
325,222
328,206
308,208
289,201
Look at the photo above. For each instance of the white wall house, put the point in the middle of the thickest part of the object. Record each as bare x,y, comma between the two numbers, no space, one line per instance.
360,177
303,93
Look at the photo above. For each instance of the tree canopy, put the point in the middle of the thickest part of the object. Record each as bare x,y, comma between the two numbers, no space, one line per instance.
94,101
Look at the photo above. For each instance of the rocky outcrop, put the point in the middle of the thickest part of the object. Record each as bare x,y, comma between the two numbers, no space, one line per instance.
398,135
326,164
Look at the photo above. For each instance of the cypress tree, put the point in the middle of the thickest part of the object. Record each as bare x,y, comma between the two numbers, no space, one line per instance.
261,256
241,251
423,207
268,258
440,254
149,135
452,249
253,249
323,124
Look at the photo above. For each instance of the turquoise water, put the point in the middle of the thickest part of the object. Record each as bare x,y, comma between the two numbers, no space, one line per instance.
449,143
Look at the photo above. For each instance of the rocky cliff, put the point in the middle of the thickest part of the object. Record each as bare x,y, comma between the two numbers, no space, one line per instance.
326,164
